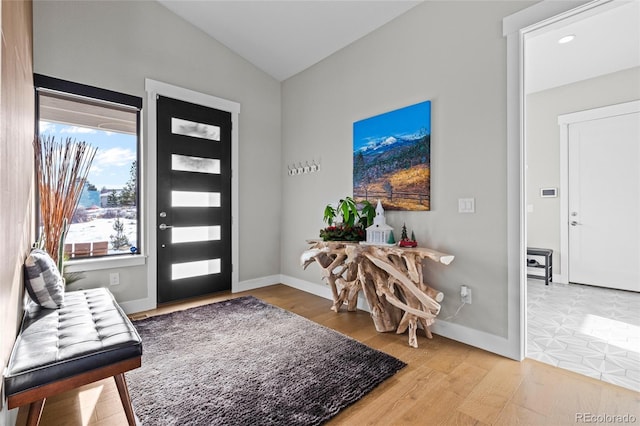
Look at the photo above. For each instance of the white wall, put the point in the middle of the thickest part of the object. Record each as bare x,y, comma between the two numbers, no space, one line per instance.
454,54
543,145
116,45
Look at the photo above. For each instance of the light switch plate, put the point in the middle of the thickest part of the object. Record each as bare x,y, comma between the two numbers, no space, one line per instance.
466,205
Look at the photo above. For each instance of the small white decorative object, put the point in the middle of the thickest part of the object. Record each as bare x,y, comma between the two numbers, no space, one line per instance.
378,233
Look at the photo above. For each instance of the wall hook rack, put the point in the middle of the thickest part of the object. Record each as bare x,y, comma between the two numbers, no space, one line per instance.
303,167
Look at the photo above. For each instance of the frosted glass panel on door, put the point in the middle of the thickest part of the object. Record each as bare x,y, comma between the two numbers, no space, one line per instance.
185,163
195,199
195,269
194,234
195,130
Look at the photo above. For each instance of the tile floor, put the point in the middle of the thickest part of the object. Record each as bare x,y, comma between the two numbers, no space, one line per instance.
590,330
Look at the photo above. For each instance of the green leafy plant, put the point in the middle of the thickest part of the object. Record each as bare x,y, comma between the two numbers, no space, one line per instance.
354,221
351,216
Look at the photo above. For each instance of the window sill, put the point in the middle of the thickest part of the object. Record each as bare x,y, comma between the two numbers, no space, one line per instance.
104,263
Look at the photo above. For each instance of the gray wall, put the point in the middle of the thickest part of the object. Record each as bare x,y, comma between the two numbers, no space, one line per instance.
116,45
454,54
543,145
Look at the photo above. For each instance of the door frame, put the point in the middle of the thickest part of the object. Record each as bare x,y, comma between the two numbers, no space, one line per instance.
515,28
154,88
564,121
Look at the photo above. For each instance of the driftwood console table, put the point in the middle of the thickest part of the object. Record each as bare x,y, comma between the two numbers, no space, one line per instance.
390,278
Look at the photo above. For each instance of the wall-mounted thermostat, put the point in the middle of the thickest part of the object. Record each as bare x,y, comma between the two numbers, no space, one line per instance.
548,192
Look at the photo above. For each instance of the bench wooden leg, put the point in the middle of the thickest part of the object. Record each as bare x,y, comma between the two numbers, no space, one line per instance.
35,412
121,383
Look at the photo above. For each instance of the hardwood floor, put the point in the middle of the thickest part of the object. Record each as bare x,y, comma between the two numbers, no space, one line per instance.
445,382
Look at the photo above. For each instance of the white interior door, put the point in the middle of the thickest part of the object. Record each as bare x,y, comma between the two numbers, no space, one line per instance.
604,202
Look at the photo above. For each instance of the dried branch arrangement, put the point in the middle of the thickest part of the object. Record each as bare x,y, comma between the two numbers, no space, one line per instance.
61,171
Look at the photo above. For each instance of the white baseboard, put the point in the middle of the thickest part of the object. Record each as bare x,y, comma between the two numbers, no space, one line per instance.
457,332
140,305
135,306
307,286
453,331
321,290
257,283
472,337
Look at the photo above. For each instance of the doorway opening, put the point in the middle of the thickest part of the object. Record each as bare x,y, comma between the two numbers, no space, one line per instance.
155,89
581,328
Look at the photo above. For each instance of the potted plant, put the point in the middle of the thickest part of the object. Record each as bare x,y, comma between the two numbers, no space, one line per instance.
354,220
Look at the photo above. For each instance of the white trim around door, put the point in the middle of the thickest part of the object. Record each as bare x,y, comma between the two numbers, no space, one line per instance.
154,88
515,28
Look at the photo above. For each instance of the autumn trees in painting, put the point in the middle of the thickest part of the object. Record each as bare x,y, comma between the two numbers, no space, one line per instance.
392,158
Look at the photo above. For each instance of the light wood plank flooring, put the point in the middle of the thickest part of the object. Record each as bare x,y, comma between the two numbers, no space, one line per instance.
445,382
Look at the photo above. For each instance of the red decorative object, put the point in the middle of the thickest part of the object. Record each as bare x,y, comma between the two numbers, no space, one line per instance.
408,243
405,241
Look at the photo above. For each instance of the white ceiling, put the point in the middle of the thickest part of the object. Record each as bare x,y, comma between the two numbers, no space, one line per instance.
605,42
285,37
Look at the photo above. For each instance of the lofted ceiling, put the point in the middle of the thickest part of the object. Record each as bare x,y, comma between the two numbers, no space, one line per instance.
283,38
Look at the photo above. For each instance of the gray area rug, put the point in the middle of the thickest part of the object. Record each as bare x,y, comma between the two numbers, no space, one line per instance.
246,362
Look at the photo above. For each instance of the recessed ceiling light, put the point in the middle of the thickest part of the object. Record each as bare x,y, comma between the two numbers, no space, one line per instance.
567,39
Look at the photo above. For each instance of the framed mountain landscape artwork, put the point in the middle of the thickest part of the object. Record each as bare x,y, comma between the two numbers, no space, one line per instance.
392,158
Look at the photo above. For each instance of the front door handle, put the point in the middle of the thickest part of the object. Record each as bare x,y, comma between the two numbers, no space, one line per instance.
164,226
574,223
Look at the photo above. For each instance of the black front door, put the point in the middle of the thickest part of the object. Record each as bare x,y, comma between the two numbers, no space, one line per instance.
194,200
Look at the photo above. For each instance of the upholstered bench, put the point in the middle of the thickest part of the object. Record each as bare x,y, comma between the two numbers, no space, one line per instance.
88,338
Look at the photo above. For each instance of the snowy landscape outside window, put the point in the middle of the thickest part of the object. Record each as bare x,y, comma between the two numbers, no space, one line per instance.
106,220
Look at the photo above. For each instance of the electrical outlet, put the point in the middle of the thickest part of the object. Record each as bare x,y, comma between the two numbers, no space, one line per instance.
465,294
114,278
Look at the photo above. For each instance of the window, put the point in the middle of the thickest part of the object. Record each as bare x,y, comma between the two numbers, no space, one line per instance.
106,221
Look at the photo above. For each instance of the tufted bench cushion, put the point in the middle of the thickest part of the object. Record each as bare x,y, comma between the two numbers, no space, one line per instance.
88,332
